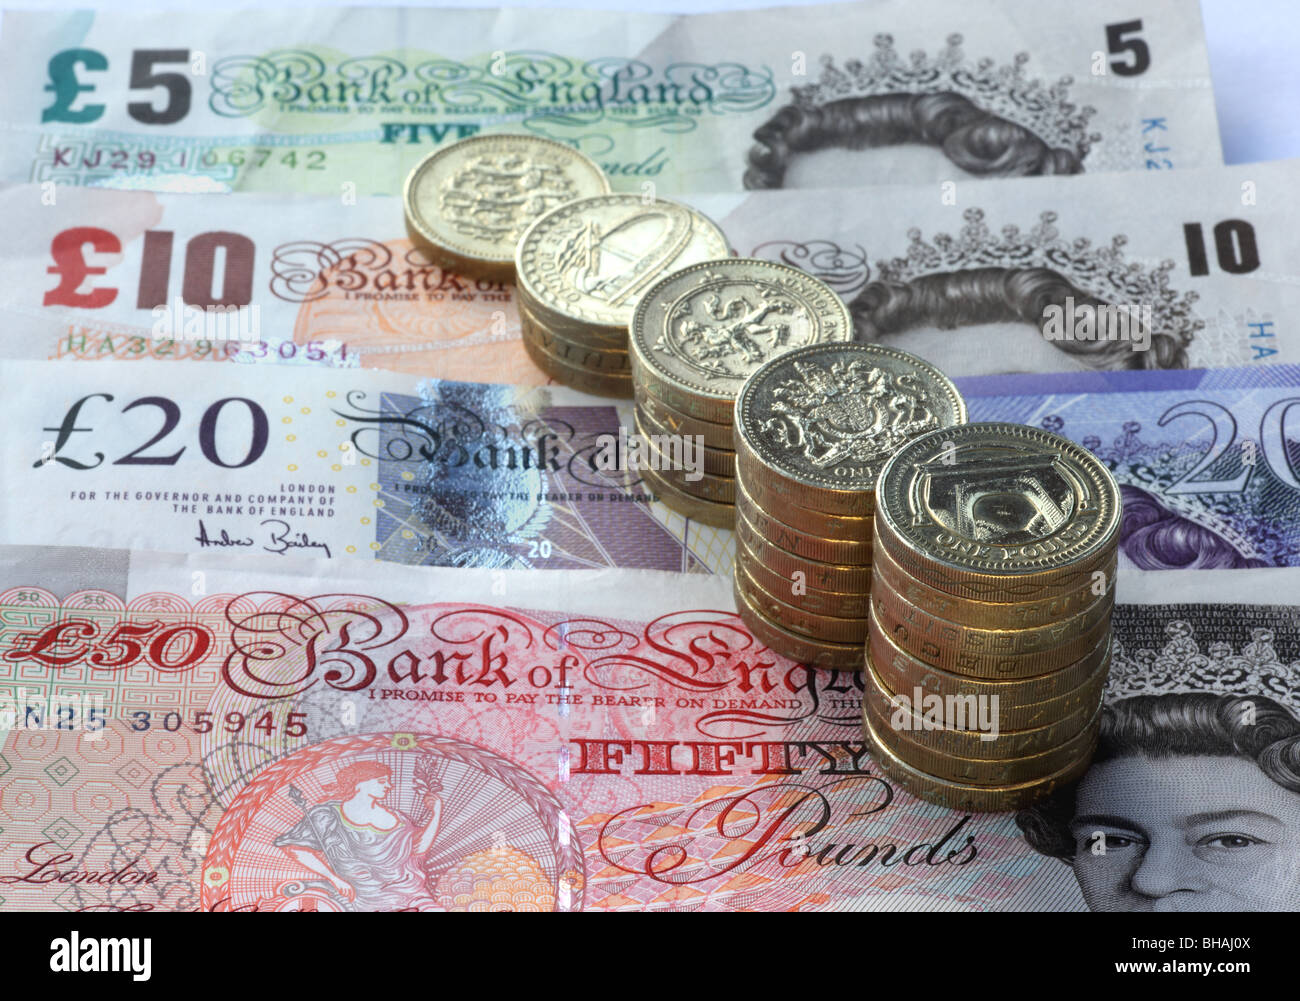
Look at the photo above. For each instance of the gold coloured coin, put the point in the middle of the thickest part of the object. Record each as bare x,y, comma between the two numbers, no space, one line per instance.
717,461
574,355
1017,652
850,552
801,649
596,338
782,613
585,380
589,261
911,747
889,576
763,489
707,512
989,504
887,710
964,796
698,333
902,672
717,436
822,576
467,204
844,605
697,483
825,417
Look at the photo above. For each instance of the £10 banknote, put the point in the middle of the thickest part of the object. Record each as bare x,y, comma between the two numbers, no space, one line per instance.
786,97
1045,275
1052,274
215,732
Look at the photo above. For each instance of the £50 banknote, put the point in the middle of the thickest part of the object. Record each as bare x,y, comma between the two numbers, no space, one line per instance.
214,732
269,100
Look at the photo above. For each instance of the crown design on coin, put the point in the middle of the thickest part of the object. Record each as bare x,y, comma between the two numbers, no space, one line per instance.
726,332
1180,666
1103,271
1042,108
851,411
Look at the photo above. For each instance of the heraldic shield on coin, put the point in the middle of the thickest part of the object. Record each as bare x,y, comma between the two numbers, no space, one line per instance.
394,822
831,414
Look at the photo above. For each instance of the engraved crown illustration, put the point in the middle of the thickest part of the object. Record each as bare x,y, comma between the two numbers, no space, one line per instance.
1102,271
1042,108
1180,666
840,406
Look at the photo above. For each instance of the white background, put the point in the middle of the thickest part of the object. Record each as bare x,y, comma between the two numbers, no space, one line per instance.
1254,56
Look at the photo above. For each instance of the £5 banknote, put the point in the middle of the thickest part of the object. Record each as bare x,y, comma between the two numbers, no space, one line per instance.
843,94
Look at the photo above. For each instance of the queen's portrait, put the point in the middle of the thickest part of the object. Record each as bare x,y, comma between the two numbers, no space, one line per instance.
1192,802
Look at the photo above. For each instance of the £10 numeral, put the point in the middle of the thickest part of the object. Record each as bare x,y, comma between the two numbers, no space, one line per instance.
198,275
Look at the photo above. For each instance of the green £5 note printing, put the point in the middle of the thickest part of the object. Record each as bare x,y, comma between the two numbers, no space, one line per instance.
837,95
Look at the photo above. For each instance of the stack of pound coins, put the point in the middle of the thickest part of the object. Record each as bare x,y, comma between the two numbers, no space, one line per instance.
584,265
989,632
696,336
467,204
813,429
